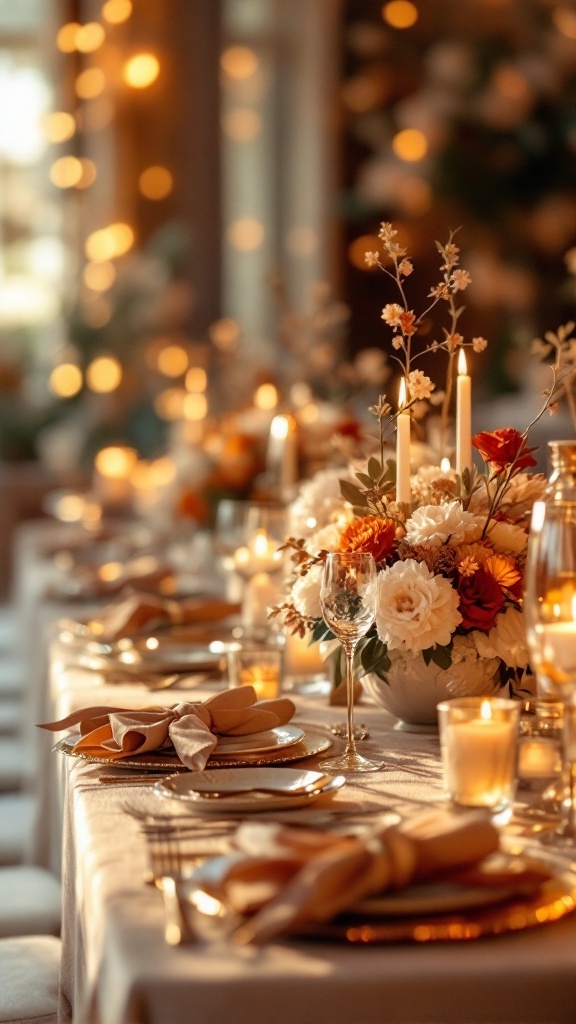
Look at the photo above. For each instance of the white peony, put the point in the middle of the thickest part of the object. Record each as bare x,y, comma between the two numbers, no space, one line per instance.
524,490
507,538
416,609
434,525
319,502
506,640
306,593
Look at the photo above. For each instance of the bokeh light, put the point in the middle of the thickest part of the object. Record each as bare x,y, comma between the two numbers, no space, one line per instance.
266,397
156,182
90,37
564,19
169,403
359,247
109,243
195,407
224,334
117,11
173,360
245,234
90,83
196,379
99,276
239,62
88,175
65,381
410,145
104,374
242,124
115,461
66,172
66,37
400,13
141,70
58,126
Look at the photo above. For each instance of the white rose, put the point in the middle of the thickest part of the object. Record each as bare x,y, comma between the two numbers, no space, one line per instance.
416,609
306,593
507,537
506,640
434,525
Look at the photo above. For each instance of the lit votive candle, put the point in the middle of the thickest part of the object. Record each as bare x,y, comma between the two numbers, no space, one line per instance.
260,668
538,758
479,741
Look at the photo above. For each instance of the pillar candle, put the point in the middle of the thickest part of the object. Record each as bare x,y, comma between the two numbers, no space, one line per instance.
463,416
403,493
282,455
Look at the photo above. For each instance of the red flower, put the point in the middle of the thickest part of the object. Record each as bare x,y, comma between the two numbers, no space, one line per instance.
502,448
481,599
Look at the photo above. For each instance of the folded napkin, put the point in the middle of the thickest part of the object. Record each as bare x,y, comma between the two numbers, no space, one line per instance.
191,729
141,612
286,878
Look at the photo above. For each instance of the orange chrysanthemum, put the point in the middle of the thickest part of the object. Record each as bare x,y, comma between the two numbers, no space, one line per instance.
503,569
370,534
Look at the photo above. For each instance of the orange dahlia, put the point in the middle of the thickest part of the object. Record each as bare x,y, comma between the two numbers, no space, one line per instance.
370,534
504,570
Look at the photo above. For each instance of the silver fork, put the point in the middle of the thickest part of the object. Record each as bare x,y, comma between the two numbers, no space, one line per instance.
168,871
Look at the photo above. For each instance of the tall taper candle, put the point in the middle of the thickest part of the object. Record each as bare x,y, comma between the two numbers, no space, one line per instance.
463,416
403,493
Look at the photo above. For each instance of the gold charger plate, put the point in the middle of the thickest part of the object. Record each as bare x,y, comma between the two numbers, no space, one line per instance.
553,899
313,742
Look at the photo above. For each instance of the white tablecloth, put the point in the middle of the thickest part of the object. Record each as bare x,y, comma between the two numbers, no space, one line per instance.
118,970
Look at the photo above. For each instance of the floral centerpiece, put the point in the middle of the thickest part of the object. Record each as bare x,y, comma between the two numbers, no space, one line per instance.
451,561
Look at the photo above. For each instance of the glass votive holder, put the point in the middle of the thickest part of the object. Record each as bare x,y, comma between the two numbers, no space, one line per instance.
479,745
540,744
257,665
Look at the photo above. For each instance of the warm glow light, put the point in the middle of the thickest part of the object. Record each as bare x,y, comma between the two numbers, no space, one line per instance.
196,379
239,62
402,393
259,542
104,374
66,37
485,710
410,144
565,21
90,37
169,404
309,414
510,83
65,380
90,83
400,13
66,172
445,464
462,365
242,124
107,243
173,360
99,276
266,397
58,126
300,394
224,334
195,407
116,11
115,462
538,516
156,182
88,176
359,247
245,234
141,70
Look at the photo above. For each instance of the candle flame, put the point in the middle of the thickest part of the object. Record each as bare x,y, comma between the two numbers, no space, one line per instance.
445,464
280,427
462,365
485,710
402,394
260,544
538,515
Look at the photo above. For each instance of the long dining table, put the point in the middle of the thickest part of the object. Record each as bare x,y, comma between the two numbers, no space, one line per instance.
118,969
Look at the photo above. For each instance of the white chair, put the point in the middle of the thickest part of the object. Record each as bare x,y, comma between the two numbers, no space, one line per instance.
30,901
29,980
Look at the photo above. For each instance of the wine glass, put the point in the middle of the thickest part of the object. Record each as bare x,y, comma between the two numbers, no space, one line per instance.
348,600
550,614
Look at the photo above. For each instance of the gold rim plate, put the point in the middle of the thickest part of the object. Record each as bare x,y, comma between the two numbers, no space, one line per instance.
313,742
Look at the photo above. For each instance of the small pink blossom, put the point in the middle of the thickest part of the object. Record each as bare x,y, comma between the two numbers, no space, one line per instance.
406,268
407,322
479,344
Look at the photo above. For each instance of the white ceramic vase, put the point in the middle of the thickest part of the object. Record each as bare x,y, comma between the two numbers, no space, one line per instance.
412,689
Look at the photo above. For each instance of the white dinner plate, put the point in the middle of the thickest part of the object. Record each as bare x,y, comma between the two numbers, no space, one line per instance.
239,787
258,742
